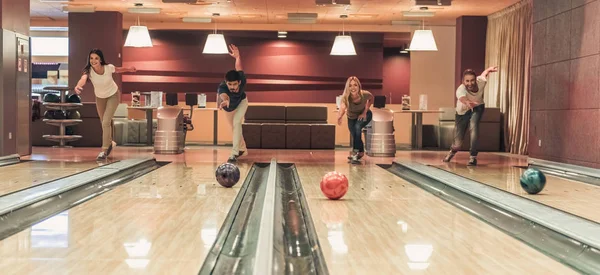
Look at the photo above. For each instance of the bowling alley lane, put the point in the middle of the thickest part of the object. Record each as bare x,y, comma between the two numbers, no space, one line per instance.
31,173
385,225
161,223
568,195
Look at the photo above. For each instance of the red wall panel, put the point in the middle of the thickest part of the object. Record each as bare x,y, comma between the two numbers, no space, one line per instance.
296,69
396,75
87,31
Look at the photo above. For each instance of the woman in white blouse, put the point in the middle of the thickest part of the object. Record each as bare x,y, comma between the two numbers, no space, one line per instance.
106,90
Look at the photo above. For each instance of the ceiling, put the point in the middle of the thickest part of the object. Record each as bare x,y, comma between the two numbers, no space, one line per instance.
239,13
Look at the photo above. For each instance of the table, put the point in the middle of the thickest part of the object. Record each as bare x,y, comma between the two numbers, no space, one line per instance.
416,133
215,121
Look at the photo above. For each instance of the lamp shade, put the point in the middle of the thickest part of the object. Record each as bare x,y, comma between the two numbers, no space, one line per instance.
343,45
423,41
138,36
215,44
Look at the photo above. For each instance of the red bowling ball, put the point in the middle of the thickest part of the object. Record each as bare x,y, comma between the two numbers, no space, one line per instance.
334,185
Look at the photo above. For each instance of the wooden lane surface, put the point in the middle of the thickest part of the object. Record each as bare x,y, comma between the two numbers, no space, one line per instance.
385,225
571,196
162,223
26,174
166,221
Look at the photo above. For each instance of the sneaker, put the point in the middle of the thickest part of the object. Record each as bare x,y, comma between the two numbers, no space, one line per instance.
232,159
101,156
449,156
352,153
359,155
112,143
472,161
355,159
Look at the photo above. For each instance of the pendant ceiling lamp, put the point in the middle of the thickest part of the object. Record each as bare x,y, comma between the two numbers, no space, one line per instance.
343,44
215,42
138,36
423,40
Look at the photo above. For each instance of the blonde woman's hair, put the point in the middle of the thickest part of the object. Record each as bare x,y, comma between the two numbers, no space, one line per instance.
346,94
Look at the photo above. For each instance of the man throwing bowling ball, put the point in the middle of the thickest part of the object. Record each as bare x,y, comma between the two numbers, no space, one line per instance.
469,109
234,103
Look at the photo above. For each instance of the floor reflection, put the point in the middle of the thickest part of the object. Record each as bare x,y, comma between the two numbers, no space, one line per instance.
51,233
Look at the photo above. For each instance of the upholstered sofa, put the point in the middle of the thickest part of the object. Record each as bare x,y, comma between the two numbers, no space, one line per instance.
288,127
490,130
130,131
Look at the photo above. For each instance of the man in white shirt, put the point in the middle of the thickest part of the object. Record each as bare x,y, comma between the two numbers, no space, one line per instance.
469,109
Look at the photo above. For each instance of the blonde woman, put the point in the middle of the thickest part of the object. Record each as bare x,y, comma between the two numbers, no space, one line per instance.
356,104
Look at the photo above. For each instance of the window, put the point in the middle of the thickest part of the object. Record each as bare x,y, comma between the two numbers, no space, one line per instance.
49,46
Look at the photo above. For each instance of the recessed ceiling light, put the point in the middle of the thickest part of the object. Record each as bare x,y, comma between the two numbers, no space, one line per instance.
49,29
364,15
249,15
197,19
175,13
406,22
144,10
418,13
82,8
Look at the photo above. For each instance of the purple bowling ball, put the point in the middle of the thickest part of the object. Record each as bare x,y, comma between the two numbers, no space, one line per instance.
227,174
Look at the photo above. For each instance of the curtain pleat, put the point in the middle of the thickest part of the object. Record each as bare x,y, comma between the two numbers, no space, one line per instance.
509,46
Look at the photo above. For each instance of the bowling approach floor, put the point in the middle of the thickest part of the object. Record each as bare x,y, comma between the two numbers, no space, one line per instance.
166,221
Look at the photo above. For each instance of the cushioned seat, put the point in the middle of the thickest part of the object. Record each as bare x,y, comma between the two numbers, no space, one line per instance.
322,136
143,135
297,136
133,131
119,132
252,133
305,114
272,136
489,130
288,127
120,128
265,114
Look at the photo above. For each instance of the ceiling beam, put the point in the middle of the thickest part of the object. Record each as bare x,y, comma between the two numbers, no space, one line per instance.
259,27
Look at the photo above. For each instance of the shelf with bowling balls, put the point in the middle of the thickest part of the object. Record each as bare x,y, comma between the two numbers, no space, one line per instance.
62,106
59,122
62,112
59,138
